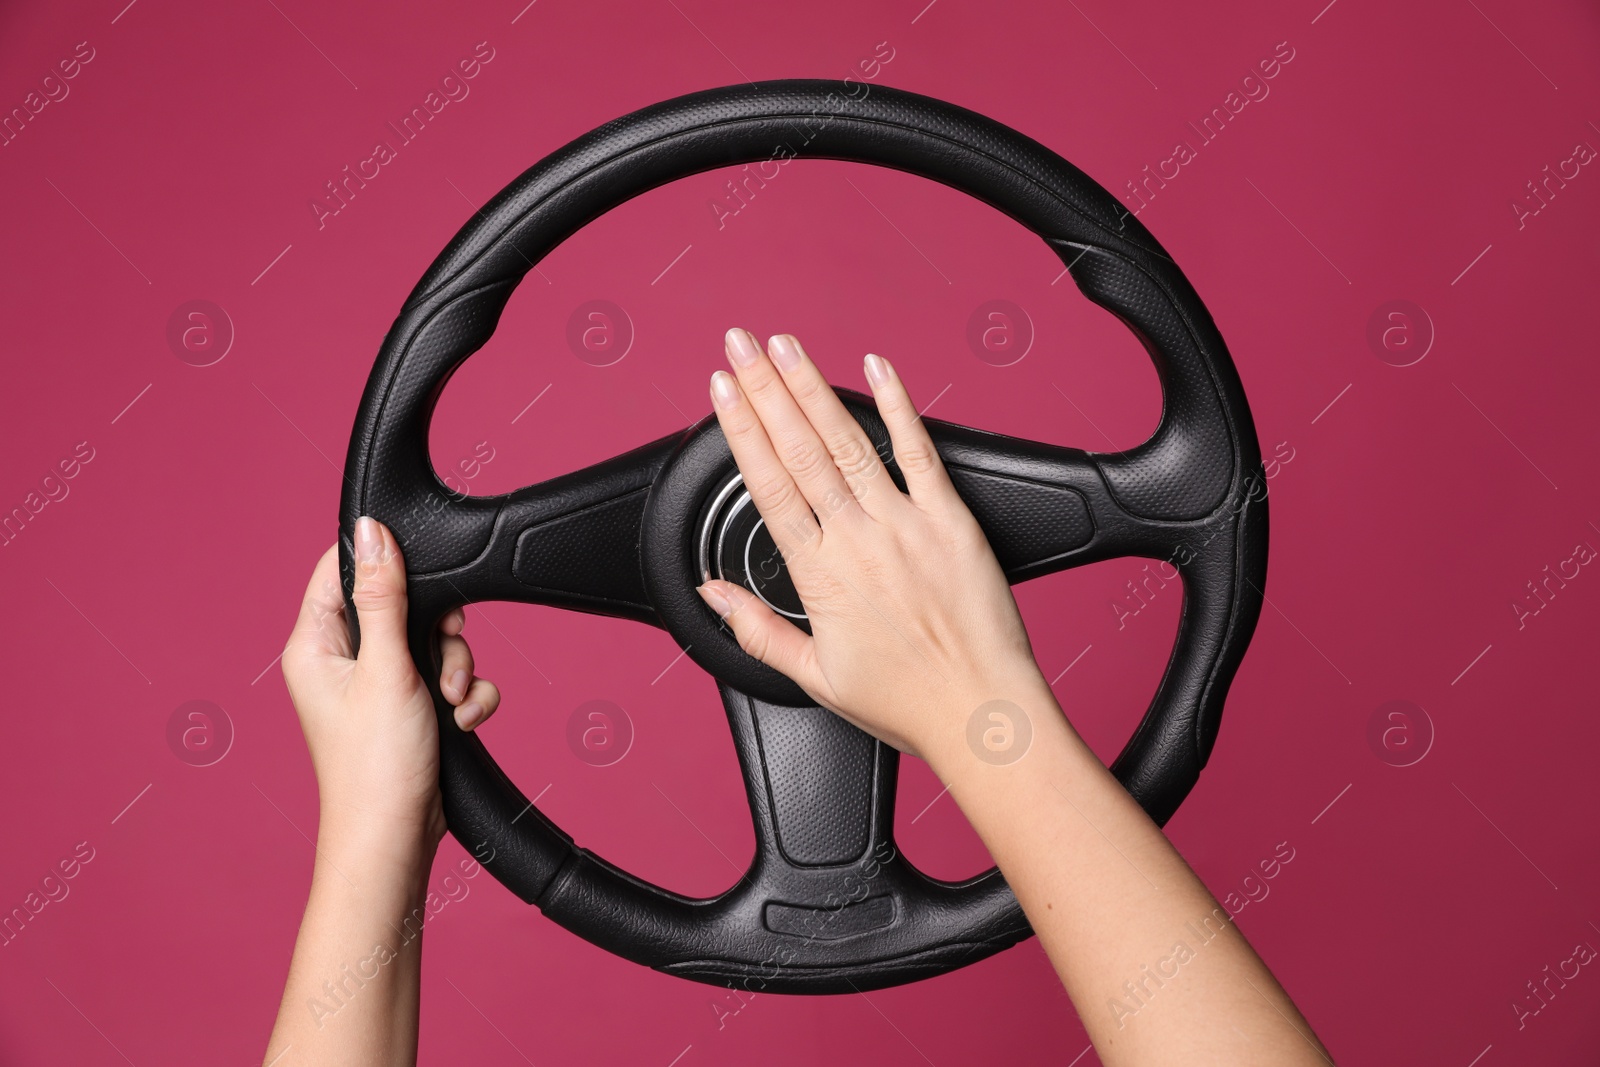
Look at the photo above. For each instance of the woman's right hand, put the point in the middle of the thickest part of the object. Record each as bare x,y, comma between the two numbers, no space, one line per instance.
915,631
913,620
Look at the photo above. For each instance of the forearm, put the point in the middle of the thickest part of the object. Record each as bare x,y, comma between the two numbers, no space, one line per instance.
1156,968
354,983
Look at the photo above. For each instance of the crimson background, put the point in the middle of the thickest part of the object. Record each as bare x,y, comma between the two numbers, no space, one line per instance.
1418,502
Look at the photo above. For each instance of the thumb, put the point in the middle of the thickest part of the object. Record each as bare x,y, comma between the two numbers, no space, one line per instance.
765,634
380,596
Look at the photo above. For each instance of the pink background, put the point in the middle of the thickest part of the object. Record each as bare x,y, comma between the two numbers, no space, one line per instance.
1412,513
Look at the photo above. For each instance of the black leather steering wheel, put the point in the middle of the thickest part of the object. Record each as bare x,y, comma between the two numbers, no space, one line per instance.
829,905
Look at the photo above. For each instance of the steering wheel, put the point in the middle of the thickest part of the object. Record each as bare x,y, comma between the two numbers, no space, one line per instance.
829,905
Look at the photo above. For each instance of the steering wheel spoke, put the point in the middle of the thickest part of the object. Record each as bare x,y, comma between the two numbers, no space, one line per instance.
1047,508
570,542
821,791
829,903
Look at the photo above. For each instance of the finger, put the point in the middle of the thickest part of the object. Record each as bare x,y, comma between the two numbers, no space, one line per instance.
765,634
772,488
380,597
454,622
320,629
482,700
852,451
794,439
455,674
919,461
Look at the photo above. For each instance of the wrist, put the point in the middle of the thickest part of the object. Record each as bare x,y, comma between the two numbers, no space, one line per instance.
992,728
401,848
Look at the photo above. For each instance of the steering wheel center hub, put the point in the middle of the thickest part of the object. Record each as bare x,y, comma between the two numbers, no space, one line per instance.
736,546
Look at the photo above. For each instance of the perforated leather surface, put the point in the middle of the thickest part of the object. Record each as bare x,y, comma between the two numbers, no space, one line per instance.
559,555
820,814
1034,522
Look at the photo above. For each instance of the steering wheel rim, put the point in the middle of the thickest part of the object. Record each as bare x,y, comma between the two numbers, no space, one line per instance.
829,904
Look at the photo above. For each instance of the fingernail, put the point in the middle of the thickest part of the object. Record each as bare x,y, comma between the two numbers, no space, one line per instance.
724,390
785,353
458,684
877,369
469,715
742,347
369,543
718,602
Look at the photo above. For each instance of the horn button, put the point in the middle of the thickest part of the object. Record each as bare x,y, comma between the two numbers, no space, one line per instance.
736,546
